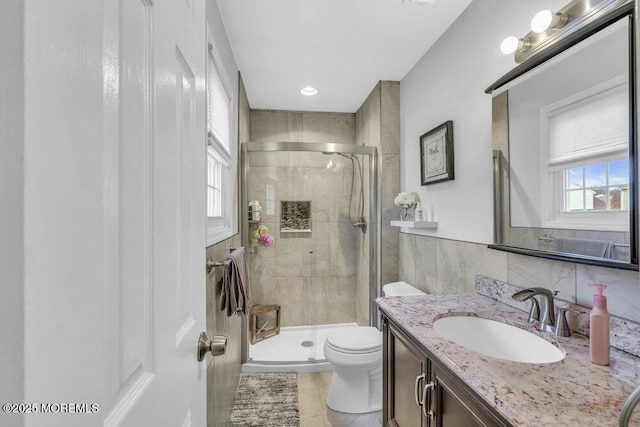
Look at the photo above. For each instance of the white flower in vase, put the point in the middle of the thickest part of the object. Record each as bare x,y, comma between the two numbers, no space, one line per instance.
407,200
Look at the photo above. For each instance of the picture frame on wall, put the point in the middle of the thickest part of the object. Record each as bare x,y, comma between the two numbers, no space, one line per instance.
436,154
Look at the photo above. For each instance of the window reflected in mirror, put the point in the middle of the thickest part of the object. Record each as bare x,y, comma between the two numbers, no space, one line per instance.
563,133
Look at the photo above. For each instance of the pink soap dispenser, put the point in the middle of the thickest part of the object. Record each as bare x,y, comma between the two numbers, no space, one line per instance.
599,327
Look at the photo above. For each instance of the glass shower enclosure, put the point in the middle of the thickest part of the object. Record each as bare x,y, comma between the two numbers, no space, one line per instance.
310,226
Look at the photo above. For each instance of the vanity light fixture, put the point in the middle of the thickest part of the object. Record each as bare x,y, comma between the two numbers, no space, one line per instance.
547,27
308,91
546,20
511,44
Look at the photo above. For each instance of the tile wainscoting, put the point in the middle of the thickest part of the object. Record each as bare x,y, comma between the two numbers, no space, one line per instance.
625,334
442,266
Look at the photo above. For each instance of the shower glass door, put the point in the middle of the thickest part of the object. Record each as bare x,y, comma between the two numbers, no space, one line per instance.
305,254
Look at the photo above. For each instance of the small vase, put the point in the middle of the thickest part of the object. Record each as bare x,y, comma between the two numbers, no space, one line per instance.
407,213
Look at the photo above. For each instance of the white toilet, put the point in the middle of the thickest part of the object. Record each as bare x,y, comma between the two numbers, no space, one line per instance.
356,355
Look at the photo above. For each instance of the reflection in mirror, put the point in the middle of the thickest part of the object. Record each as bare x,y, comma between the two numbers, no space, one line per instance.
561,146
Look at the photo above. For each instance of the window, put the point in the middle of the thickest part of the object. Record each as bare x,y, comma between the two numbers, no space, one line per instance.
586,164
599,187
221,154
217,170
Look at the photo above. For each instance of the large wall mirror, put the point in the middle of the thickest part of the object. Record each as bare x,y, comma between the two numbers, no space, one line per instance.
564,146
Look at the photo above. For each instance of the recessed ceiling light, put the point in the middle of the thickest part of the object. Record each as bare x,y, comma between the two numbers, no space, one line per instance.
308,91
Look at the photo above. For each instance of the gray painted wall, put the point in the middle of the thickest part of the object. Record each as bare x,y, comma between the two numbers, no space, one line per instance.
448,84
223,372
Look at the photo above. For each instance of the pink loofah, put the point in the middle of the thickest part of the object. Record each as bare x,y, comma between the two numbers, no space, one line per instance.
266,240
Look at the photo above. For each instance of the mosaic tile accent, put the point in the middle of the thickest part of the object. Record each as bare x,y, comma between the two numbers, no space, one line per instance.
295,216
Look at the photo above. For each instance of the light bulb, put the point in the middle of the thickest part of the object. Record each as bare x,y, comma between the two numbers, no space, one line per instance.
545,20
542,21
509,45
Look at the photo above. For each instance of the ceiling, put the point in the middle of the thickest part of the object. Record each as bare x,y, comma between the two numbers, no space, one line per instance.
340,47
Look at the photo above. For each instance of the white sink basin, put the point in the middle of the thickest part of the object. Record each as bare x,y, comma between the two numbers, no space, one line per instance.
497,339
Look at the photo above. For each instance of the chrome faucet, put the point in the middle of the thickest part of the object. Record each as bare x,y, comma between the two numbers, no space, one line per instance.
542,313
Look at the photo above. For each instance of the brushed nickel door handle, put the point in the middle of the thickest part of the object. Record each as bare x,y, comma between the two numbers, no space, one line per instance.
419,379
427,388
217,346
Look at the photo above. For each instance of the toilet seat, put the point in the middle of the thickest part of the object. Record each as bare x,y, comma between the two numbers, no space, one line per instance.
355,340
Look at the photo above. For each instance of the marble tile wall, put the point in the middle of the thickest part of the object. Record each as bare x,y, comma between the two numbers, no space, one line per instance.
311,275
624,334
442,266
378,125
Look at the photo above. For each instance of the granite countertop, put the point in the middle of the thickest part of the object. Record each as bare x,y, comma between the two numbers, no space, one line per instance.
572,392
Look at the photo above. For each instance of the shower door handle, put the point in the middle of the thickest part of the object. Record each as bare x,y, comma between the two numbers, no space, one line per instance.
217,346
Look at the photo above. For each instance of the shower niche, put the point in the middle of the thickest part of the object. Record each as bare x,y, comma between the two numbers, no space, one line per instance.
295,216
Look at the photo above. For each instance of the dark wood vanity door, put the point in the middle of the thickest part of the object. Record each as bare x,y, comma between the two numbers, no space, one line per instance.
449,404
452,404
403,364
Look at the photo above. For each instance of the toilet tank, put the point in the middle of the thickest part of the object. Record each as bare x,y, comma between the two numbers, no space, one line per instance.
400,289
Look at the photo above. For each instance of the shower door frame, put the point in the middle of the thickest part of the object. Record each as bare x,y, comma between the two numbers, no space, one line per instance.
374,226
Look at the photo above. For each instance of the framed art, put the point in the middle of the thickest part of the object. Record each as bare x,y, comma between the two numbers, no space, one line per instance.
436,154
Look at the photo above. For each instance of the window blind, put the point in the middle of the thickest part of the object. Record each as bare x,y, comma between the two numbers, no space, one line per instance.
218,108
593,127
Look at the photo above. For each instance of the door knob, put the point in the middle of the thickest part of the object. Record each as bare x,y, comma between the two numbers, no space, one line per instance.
217,346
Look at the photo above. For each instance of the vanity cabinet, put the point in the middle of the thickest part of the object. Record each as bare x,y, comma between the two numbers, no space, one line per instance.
418,391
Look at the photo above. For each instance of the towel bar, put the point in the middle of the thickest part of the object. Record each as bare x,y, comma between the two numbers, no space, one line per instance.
211,264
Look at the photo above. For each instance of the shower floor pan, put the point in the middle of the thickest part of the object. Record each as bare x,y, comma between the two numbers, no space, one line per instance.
295,349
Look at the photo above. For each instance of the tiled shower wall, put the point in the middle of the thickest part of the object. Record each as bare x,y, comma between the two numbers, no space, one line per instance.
378,125
311,275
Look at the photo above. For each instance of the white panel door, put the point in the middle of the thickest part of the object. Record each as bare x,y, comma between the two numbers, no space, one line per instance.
114,214
154,212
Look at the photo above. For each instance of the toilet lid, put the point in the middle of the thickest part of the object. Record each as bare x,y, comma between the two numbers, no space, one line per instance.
361,339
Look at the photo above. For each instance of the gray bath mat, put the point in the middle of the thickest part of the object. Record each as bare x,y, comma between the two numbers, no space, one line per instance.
266,400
